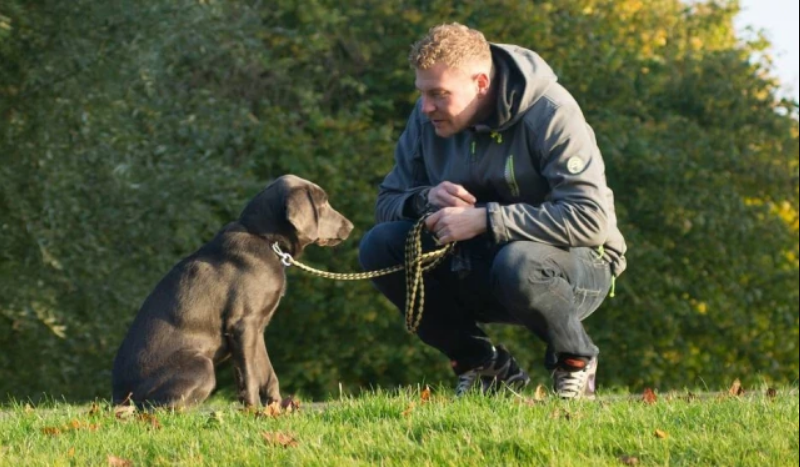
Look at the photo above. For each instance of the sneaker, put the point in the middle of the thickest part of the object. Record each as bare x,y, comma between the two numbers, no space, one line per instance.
465,381
574,378
501,370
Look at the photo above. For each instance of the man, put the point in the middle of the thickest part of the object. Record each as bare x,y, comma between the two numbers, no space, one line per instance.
502,156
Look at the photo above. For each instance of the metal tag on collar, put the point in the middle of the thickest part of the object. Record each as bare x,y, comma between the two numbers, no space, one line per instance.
286,258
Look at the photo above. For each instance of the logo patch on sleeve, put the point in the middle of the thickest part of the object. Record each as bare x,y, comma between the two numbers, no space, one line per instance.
575,164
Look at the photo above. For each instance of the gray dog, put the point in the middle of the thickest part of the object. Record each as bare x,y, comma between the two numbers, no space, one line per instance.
216,303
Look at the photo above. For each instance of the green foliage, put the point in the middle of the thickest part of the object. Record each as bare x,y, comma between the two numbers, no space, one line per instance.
131,133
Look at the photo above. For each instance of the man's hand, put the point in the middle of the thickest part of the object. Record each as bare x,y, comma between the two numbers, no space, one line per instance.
447,195
454,224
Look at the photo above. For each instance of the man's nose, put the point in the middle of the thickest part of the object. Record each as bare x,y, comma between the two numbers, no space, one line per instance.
427,105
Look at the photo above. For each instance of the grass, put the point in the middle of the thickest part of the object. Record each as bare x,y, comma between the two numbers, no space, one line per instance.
411,427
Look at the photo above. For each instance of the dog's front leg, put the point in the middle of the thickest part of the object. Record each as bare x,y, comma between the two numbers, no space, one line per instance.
270,389
243,339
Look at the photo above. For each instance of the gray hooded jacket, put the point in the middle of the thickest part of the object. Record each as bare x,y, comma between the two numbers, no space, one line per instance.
535,165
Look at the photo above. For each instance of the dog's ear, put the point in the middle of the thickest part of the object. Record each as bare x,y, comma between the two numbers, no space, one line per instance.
302,211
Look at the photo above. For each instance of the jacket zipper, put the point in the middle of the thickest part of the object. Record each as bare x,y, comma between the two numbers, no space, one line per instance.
511,179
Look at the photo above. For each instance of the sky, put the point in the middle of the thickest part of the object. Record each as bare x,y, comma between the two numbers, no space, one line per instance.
780,21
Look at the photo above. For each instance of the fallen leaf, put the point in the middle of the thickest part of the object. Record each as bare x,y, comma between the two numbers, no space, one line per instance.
115,461
426,394
560,413
273,409
529,401
661,434
648,396
540,394
51,430
629,460
124,411
94,409
289,404
771,393
215,418
249,409
736,388
80,425
279,439
149,419
409,409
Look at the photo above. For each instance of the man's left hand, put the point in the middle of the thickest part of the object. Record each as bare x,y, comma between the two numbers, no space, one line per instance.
456,223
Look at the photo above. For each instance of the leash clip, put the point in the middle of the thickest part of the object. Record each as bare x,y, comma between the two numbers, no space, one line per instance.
286,258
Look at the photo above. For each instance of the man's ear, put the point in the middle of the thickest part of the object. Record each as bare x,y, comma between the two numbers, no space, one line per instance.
483,81
303,213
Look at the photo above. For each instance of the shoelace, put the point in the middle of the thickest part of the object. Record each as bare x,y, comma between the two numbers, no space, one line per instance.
570,382
465,381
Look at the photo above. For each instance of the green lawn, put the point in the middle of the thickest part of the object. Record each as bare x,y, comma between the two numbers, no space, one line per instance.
408,427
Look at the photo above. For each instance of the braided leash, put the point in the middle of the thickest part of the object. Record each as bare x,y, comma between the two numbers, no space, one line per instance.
415,264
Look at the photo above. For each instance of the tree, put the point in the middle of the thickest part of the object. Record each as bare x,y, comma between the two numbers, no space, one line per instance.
131,133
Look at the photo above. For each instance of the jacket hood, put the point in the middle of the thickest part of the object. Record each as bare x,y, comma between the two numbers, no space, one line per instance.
522,77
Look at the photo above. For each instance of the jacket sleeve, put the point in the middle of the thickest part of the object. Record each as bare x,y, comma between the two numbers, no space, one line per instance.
575,212
407,177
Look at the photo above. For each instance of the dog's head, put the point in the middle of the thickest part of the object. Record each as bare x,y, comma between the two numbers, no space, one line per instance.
298,211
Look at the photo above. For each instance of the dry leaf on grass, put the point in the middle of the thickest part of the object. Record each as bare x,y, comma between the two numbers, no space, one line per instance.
94,409
289,404
71,426
648,396
215,418
149,419
124,411
279,439
80,425
661,434
275,409
540,394
425,395
529,401
272,410
629,460
409,409
115,461
561,413
736,388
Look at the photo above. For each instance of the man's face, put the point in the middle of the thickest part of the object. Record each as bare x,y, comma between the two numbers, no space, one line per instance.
450,97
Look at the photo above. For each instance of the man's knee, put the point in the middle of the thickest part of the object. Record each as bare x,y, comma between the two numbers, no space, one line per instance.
383,245
520,269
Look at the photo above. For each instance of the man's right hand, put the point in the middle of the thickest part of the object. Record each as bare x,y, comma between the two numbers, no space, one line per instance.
450,195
